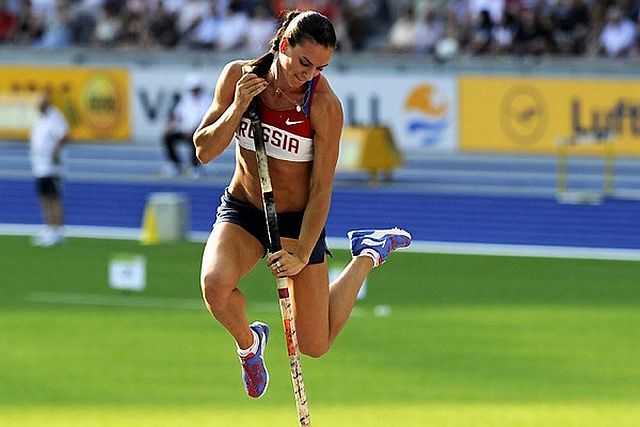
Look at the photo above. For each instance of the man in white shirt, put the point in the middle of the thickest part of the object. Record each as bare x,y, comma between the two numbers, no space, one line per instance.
183,121
48,135
618,37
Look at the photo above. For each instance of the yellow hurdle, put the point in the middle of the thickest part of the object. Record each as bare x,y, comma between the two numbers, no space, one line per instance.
588,144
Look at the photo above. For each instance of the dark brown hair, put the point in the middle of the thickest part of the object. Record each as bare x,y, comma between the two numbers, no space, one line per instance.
296,26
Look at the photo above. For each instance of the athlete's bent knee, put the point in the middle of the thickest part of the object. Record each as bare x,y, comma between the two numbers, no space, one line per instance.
216,291
314,349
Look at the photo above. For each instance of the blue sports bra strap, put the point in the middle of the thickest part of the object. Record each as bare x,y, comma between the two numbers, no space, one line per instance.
306,102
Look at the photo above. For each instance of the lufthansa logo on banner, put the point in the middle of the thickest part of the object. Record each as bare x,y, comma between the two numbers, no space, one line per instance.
101,101
523,115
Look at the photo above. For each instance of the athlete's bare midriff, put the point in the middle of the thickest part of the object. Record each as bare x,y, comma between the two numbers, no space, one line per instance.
290,182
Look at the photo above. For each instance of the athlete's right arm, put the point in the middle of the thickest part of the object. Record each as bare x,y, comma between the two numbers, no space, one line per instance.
233,94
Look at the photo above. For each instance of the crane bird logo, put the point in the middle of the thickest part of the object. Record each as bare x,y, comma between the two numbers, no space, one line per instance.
427,115
523,115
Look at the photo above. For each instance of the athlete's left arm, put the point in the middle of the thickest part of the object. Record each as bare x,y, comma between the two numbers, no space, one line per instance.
327,119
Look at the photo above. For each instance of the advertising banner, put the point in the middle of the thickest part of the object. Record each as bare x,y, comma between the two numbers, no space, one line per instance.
154,93
95,101
17,115
532,115
421,111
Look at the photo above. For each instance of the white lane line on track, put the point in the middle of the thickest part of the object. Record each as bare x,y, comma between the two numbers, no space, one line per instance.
133,301
137,301
461,248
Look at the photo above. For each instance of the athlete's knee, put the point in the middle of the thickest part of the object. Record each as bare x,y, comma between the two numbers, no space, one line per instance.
216,289
314,347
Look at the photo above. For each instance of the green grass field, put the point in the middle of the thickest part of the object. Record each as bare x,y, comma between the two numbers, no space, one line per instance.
470,341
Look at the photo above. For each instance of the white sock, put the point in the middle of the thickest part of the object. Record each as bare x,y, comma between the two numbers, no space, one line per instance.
253,348
375,257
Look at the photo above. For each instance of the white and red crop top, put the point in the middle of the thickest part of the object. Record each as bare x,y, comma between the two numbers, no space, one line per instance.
288,134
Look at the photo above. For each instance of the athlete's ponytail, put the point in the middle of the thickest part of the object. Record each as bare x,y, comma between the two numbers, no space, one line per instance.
296,26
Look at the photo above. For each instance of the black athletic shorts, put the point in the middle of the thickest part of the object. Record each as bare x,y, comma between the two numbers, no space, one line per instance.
252,220
48,186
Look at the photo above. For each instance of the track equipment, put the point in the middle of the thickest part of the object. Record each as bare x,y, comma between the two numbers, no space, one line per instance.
283,284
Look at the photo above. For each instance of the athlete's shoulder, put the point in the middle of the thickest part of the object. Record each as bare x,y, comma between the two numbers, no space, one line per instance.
233,69
231,73
323,89
325,99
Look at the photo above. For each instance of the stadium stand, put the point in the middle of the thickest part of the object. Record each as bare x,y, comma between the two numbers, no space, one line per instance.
473,28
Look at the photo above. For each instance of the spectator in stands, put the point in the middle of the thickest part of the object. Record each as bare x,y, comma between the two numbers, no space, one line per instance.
342,31
571,21
531,36
82,22
48,135
56,33
190,13
29,26
261,28
421,6
332,10
8,21
233,28
365,20
402,36
457,22
618,37
493,8
326,7
110,26
630,9
448,46
429,31
134,31
183,121
43,8
206,29
481,35
163,29
503,33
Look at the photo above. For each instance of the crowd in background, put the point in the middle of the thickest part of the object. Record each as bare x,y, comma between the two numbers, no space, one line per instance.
432,27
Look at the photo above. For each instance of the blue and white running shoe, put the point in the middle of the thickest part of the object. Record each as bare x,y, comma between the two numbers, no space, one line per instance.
378,244
254,370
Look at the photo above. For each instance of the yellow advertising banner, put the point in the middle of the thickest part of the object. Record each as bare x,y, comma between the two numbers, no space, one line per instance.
17,114
95,101
531,115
